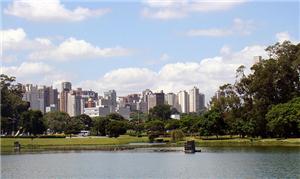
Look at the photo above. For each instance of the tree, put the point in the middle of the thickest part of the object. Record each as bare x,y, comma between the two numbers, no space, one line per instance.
284,119
73,126
188,123
56,121
31,121
86,120
115,116
212,123
172,124
100,125
177,135
12,105
155,126
160,112
116,128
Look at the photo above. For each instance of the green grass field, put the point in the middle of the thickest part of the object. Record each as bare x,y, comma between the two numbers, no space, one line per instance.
99,143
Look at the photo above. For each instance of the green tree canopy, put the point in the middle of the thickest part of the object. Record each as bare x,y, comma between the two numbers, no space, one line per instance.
12,105
73,125
32,121
100,125
284,119
86,120
116,128
160,112
115,116
56,121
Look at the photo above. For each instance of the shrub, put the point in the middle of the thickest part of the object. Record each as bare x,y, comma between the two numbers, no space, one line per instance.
177,135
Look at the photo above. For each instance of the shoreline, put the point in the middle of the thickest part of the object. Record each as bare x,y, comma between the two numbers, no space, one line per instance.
131,143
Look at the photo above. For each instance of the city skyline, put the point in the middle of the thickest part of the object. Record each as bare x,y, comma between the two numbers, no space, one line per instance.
133,46
78,101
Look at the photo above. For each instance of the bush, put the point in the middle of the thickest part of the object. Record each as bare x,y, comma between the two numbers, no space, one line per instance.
159,140
177,135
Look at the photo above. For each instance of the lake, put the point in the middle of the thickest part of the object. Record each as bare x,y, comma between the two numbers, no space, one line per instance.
212,162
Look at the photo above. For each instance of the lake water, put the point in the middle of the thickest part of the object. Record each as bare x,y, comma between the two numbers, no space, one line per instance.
215,162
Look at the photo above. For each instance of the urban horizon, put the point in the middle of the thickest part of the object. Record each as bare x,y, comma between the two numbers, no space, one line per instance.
77,101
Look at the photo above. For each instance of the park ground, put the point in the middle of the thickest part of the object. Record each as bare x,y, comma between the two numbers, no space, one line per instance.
122,142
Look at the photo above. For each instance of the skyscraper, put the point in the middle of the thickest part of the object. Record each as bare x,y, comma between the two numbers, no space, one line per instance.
111,96
40,97
183,101
73,104
156,99
194,100
172,100
202,101
65,88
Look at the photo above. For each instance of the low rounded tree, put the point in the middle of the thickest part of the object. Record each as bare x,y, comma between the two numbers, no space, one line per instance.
56,121
177,135
116,128
284,119
32,122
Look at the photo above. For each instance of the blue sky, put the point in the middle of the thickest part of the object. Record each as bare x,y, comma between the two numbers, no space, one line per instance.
162,43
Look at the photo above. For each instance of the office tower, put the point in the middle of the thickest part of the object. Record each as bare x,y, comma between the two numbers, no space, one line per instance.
111,96
156,99
171,99
202,101
183,101
53,98
194,100
73,104
65,88
142,106
40,97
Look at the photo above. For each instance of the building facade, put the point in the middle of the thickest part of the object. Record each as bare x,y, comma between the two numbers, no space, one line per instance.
183,101
156,99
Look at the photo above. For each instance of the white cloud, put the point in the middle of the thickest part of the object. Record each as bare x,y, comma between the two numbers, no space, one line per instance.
72,48
174,9
208,74
16,39
40,48
125,80
27,69
37,73
50,10
163,14
239,26
283,36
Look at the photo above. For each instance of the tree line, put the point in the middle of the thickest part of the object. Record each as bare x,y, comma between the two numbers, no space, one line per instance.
264,103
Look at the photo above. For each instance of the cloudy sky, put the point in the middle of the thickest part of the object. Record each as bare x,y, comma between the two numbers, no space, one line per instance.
130,46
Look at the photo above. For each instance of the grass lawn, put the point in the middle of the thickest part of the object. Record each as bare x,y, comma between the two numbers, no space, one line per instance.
68,143
105,142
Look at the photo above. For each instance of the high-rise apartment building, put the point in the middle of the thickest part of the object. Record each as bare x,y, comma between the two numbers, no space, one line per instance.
111,96
183,101
171,99
194,100
40,97
202,101
74,107
65,88
156,99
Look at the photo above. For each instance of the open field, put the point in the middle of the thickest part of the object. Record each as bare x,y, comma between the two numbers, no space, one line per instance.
105,143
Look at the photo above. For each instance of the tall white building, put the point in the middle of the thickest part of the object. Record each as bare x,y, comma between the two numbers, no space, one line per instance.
194,100
183,101
74,107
